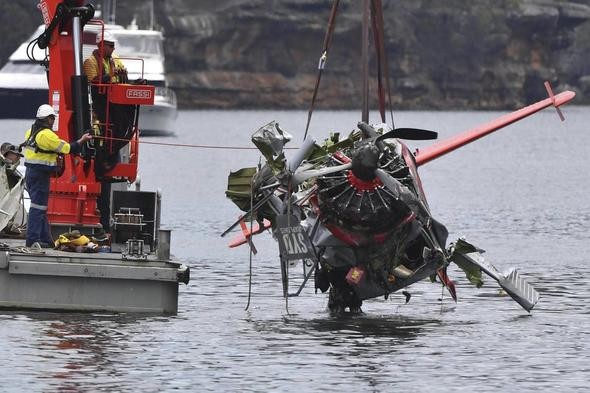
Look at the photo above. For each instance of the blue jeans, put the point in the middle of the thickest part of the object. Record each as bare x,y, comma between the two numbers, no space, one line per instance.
37,182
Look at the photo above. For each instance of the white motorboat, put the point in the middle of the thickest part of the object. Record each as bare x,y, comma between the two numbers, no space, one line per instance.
23,83
134,44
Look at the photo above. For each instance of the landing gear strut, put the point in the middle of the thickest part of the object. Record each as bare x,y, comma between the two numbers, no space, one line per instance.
341,298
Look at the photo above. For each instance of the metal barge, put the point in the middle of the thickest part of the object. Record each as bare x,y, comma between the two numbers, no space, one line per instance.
115,262
47,279
133,273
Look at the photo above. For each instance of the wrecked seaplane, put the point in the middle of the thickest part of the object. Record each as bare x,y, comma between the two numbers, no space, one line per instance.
354,210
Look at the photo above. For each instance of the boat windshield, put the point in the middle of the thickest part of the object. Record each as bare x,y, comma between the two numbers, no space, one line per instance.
138,46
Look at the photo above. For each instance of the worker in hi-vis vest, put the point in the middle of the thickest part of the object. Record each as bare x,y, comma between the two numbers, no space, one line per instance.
42,149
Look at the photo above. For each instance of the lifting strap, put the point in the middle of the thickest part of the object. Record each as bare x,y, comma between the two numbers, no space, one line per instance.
365,61
376,12
382,63
322,62
32,140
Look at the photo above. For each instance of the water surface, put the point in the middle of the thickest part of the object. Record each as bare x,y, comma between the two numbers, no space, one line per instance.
521,194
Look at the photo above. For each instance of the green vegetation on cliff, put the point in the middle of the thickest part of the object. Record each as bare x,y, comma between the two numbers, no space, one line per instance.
443,55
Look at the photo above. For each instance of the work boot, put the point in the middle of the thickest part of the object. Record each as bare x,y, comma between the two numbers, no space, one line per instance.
41,245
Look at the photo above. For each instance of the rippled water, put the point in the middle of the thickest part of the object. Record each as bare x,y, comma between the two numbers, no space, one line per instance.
521,194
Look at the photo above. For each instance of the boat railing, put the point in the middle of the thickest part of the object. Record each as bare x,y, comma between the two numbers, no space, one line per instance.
136,59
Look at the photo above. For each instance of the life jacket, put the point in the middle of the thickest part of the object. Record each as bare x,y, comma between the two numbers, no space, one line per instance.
76,242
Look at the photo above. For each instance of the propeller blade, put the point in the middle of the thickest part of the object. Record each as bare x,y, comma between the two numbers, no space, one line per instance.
388,181
304,175
300,155
412,134
402,193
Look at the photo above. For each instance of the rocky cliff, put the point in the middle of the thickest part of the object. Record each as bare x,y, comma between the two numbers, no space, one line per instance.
444,55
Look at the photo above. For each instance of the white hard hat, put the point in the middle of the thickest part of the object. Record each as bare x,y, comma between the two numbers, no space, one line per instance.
44,111
107,36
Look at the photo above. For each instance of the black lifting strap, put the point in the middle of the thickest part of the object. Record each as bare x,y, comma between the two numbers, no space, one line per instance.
382,64
323,58
32,139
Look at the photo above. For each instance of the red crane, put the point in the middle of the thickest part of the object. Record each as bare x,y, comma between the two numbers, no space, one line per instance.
73,195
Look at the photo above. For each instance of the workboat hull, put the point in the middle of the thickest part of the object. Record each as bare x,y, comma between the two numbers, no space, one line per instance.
102,282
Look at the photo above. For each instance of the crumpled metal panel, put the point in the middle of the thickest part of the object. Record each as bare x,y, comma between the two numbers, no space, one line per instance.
270,139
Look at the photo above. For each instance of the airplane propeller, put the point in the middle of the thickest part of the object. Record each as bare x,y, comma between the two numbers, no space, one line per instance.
414,134
365,165
297,175
411,134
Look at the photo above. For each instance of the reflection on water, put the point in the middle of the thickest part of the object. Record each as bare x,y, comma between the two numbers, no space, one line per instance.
72,349
353,328
502,193
89,351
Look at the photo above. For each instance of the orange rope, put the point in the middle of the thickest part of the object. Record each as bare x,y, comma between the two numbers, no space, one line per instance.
187,145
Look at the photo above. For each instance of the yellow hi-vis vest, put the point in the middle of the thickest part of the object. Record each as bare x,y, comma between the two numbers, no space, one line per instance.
46,140
109,67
